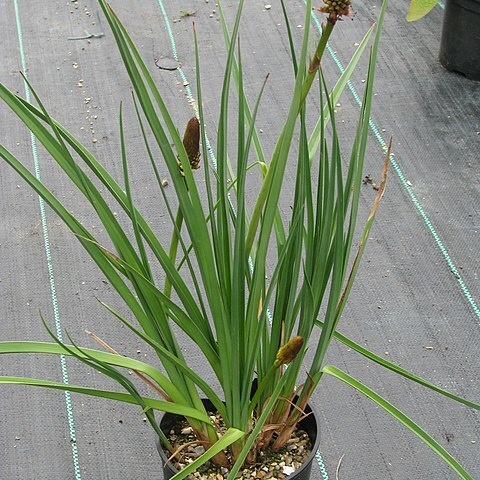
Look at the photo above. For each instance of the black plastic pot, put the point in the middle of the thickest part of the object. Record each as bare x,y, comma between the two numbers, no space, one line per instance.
460,45
308,424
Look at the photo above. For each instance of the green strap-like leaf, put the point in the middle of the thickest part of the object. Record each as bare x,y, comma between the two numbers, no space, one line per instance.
395,368
120,397
110,358
336,93
401,417
179,362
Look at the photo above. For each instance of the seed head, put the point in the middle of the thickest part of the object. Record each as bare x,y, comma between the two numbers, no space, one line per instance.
289,351
191,142
336,9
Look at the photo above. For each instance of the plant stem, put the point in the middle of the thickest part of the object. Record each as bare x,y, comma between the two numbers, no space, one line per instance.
315,61
266,186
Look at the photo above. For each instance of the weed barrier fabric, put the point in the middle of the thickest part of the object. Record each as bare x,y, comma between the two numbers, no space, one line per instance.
416,296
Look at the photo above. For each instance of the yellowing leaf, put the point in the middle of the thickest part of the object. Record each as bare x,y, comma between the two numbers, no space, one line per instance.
419,8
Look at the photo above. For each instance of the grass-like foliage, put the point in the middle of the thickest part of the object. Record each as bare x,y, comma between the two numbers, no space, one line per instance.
214,286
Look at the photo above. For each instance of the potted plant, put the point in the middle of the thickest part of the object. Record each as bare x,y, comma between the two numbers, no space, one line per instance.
460,43
253,334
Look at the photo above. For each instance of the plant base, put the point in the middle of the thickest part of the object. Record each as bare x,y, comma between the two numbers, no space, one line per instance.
283,465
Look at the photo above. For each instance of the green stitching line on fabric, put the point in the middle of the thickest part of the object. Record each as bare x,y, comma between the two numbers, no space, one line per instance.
318,455
407,187
63,363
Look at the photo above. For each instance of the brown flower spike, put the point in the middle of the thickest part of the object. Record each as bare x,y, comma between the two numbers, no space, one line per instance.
336,9
191,142
289,351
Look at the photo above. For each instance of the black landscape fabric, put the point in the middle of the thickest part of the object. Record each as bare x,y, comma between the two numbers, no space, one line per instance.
417,297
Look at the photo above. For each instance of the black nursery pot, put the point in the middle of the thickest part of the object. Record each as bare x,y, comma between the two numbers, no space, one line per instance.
309,424
460,45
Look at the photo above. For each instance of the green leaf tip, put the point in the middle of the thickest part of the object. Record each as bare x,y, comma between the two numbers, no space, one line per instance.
419,8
